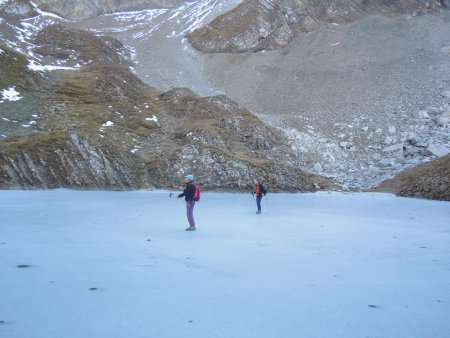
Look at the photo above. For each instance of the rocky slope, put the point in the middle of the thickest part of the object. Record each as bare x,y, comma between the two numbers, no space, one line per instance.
76,9
430,180
102,127
258,25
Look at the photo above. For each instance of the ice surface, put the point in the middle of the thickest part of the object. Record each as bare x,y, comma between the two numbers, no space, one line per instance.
119,264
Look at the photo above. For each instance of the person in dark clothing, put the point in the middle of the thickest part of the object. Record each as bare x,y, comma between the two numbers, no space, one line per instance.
188,194
260,191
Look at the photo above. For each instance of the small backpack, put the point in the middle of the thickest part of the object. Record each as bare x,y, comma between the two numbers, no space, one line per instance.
263,189
196,193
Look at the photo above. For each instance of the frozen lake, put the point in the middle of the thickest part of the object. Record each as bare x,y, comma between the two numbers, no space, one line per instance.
119,264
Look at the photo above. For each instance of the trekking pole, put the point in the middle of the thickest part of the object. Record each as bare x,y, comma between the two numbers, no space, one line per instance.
174,195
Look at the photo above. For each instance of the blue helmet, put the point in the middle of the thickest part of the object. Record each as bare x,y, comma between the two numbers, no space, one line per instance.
190,177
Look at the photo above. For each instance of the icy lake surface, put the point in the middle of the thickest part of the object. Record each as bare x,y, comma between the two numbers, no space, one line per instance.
119,264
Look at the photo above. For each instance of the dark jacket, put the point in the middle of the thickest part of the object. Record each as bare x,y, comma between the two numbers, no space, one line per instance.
188,192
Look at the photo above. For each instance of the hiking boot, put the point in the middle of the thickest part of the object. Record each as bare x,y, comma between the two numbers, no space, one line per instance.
190,229
258,212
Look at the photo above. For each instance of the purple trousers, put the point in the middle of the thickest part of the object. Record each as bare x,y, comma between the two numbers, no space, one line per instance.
190,212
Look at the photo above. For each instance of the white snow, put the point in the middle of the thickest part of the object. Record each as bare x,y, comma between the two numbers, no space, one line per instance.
1,51
324,265
43,13
108,124
41,68
10,94
154,118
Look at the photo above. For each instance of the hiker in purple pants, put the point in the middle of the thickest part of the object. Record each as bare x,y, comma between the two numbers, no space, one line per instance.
188,194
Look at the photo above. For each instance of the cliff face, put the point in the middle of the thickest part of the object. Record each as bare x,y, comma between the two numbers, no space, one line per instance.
54,160
271,24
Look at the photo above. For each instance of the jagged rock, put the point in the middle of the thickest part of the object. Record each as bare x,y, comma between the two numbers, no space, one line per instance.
413,151
346,145
318,167
423,115
393,148
438,150
271,24
388,140
444,120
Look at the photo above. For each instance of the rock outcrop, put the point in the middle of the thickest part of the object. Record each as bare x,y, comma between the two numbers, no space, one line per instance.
430,180
258,25
71,47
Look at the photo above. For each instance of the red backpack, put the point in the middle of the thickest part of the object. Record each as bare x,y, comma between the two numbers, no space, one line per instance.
197,193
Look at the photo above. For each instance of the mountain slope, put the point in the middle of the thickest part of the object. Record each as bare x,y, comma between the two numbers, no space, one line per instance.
265,25
110,130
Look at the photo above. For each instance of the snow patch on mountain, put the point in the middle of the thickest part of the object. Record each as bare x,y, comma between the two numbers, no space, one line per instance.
46,14
10,94
46,68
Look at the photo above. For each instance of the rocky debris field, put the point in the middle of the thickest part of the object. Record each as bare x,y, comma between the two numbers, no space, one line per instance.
360,155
